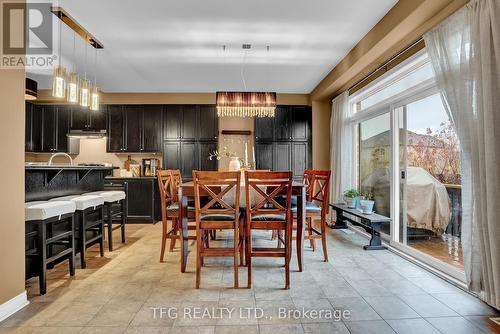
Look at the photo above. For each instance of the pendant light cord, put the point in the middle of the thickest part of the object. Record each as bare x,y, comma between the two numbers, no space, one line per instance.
95,68
60,42
74,47
241,71
85,60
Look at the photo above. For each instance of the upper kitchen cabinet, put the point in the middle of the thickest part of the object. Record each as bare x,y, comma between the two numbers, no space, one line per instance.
301,123
171,122
208,122
55,127
85,119
189,123
134,128
151,128
116,129
282,123
33,128
264,128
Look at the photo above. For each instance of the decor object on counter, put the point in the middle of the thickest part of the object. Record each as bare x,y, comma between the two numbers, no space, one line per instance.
246,104
128,162
31,90
234,164
136,170
349,196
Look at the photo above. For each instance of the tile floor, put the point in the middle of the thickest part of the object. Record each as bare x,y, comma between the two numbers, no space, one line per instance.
129,291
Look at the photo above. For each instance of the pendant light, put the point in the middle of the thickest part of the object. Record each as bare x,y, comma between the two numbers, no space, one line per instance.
245,104
94,94
72,95
59,75
85,85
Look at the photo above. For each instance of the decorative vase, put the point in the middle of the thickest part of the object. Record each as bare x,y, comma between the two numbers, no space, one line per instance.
357,202
234,164
367,206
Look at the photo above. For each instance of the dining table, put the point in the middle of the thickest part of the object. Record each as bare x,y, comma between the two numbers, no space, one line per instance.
186,191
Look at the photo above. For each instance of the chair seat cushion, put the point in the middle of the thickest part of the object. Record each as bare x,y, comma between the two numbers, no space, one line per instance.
109,196
82,202
217,217
310,207
41,210
269,217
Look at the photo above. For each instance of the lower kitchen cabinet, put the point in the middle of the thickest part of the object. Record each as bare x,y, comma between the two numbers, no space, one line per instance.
143,198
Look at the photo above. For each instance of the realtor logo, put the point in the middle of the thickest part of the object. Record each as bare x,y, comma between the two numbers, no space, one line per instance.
27,34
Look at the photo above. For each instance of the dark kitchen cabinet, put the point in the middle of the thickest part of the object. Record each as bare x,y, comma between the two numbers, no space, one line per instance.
285,141
301,123
189,159
171,122
116,129
140,199
264,155
133,131
264,128
205,150
151,128
208,122
63,116
33,128
282,156
143,198
189,136
134,128
189,124
86,119
299,159
282,123
55,126
171,155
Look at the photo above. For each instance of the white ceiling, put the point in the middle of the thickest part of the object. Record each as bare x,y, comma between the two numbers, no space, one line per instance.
176,46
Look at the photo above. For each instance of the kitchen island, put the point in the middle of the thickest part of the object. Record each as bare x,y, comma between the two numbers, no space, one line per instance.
43,182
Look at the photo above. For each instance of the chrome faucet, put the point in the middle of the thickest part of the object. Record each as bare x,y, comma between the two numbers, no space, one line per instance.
62,154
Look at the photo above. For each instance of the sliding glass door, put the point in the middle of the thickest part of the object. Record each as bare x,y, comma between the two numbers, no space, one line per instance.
430,187
408,158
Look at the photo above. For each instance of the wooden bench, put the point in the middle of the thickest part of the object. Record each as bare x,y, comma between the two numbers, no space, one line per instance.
371,223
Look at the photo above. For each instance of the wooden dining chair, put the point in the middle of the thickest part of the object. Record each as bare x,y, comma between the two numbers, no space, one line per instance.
269,214
318,193
168,183
217,213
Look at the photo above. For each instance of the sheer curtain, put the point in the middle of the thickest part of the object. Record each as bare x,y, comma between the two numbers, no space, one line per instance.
340,147
465,54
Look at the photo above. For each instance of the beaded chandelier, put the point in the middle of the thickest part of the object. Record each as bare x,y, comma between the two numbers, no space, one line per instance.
245,104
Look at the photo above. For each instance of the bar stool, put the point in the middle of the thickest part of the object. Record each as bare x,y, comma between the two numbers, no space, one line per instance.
89,216
115,210
42,219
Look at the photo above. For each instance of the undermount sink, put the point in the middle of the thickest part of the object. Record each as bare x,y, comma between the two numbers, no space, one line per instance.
46,164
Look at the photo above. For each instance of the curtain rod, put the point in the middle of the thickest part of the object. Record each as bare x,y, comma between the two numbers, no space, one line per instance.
388,62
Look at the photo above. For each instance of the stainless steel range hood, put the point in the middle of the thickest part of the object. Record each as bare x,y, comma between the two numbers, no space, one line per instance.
87,133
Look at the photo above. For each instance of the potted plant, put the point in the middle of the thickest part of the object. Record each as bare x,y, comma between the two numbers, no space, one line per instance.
349,196
367,203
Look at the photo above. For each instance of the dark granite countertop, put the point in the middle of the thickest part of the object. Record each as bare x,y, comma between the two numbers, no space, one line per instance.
66,167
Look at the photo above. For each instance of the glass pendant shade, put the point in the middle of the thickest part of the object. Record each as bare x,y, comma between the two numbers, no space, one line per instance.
246,104
84,93
72,94
59,82
94,98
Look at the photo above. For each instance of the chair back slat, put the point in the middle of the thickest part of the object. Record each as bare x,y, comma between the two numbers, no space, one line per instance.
214,185
276,184
318,182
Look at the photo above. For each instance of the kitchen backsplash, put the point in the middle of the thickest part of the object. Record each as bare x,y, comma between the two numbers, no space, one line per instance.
94,151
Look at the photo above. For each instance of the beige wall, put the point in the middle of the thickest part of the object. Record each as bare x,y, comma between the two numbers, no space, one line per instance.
12,188
321,111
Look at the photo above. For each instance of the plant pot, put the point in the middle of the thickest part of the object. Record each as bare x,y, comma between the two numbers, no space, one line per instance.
350,202
234,164
357,202
367,206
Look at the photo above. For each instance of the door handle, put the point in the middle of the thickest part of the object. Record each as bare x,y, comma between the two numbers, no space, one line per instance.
403,175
